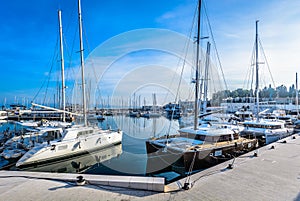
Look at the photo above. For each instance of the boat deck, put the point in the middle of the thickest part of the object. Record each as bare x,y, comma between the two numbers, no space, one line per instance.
189,144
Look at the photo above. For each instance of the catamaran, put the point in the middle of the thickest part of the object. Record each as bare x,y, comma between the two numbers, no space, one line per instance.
77,140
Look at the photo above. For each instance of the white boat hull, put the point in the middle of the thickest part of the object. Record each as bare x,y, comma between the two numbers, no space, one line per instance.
269,135
59,150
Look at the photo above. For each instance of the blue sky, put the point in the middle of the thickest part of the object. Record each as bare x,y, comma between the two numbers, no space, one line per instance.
29,35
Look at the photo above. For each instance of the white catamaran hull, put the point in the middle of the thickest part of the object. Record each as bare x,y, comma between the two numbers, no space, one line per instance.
47,153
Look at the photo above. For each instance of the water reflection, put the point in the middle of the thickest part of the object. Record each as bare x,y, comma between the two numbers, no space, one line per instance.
141,128
80,163
133,160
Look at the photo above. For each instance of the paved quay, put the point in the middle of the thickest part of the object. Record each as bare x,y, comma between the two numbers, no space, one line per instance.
273,175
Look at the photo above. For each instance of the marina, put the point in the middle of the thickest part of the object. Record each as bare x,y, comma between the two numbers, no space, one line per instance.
149,113
118,160
249,175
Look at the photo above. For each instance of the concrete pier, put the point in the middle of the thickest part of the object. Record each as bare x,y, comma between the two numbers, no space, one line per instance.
273,175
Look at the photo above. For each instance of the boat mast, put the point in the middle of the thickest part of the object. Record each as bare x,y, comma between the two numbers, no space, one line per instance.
256,65
62,62
82,63
197,68
206,78
297,109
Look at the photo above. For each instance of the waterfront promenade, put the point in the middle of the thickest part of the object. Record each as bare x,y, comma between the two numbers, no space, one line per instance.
273,175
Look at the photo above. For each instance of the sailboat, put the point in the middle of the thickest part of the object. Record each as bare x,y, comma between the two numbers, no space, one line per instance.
265,130
77,140
198,146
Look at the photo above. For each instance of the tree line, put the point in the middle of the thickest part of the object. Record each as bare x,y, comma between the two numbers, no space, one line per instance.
265,93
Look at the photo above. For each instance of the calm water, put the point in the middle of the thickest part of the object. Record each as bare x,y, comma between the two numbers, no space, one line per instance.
130,158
